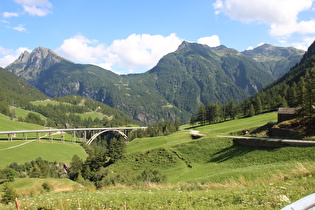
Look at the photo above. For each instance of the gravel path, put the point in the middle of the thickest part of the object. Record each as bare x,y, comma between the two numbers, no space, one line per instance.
17,145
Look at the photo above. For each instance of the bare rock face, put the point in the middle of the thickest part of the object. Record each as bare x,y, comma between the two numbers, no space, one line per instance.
30,65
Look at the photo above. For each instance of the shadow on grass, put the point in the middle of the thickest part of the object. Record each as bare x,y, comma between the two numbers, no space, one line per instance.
234,151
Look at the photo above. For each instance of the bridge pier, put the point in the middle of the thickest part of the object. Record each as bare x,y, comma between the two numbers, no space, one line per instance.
25,136
51,138
10,136
62,136
84,136
74,137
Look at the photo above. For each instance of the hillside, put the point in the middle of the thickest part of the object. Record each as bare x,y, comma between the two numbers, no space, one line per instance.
206,160
17,97
279,60
294,89
174,88
16,91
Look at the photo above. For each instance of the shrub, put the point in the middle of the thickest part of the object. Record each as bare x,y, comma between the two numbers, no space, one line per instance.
9,194
47,187
8,174
150,176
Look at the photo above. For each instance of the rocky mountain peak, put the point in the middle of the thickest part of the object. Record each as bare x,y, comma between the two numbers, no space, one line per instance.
183,45
29,65
42,58
24,57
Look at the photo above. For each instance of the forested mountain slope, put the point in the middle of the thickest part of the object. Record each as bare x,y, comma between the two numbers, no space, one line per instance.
174,88
70,110
16,91
295,88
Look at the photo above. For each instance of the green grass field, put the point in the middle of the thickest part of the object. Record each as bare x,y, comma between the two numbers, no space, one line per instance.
60,152
209,159
12,125
56,151
205,173
23,113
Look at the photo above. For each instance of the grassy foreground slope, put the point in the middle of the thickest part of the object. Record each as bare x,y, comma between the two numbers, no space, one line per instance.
210,159
208,173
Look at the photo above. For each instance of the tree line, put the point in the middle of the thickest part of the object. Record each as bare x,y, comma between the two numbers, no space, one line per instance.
299,94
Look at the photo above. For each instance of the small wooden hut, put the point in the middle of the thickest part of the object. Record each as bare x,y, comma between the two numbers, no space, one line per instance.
286,114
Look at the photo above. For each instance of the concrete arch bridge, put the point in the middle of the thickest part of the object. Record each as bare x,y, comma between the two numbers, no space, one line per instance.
51,132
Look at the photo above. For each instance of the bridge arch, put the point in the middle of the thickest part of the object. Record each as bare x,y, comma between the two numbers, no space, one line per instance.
104,131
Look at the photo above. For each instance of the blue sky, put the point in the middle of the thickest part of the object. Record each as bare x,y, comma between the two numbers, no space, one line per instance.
130,36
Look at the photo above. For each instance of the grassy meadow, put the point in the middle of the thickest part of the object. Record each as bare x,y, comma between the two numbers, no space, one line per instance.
205,173
21,151
59,152
12,125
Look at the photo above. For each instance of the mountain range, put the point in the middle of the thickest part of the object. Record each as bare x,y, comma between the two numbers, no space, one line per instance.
298,71
174,88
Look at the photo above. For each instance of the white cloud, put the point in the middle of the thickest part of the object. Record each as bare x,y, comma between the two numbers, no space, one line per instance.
141,51
280,15
136,52
10,14
20,28
36,7
82,49
304,43
211,41
8,56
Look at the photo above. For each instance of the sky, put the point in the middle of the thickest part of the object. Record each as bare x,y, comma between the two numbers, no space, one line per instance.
131,36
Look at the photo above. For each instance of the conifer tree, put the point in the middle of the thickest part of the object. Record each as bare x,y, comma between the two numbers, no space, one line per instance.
258,105
210,113
251,111
301,96
201,116
9,194
231,109
310,92
292,95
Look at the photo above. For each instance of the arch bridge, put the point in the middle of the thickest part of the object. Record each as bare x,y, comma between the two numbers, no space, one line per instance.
51,132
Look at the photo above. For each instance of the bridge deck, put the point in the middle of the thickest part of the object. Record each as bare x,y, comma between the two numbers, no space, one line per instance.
24,132
70,129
